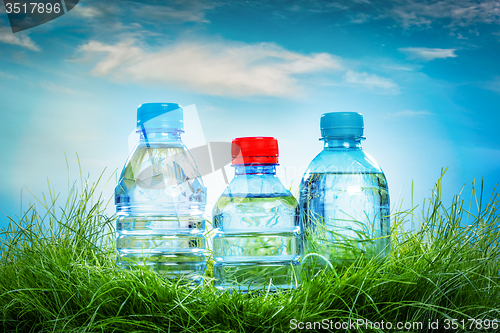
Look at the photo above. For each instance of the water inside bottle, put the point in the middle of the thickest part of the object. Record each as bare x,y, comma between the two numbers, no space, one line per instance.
345,217
160,201
256,243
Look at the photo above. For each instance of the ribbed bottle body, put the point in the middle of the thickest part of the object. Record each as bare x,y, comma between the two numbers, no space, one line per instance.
344,208
256,242
160,201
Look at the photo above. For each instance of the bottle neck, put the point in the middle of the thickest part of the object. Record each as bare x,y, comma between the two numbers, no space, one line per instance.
260,169
343,142
160,137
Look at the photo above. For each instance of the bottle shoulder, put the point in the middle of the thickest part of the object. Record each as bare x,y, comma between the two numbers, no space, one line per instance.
156,168
256,185
266,189
343,161
162,157
264,212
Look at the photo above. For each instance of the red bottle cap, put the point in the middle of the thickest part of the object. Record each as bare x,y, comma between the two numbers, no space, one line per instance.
256,150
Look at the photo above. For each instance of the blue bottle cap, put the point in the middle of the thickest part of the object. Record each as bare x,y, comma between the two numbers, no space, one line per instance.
341,124
160,116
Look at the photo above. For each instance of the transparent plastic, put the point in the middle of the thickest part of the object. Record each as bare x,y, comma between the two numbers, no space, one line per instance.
256,242
344,206
160,200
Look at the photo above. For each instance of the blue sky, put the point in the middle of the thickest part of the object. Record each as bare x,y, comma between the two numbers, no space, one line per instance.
424,74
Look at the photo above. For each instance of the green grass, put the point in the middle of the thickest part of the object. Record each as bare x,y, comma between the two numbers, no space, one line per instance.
58,274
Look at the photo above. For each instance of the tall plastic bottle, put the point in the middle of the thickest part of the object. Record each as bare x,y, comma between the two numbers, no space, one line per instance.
256,242
344,198
160,199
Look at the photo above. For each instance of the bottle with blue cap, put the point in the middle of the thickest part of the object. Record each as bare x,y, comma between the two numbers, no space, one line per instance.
160,199
344,198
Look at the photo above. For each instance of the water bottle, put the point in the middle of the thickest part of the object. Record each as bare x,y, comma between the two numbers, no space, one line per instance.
256,242
160,199
344,198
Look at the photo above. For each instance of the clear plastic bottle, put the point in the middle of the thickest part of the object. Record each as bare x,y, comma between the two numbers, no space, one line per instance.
344,198
256,242
160,199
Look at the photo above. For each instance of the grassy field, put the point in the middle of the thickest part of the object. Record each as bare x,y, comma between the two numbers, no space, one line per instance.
58,274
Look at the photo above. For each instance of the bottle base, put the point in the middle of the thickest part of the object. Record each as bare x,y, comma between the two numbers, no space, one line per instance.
179,267
252,276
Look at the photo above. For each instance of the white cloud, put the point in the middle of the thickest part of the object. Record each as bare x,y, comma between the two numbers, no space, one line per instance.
493,85
217,67
8,76
19,38
458,12
410,113
172,11
360,18
412,13
312,6
88,12
191,12
399,68
370,81
50,86
428,54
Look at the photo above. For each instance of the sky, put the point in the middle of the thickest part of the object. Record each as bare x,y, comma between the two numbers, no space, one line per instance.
424,74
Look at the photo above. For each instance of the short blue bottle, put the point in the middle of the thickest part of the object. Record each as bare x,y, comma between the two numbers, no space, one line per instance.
256,242
344,198
160,199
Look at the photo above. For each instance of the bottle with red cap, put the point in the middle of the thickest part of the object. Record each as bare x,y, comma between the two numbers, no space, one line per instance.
256,242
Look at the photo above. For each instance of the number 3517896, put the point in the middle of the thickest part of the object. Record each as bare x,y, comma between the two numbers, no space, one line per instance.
32,8
474,324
